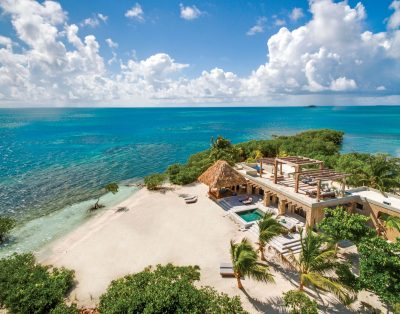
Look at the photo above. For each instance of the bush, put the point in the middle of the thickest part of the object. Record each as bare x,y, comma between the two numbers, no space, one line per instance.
28,287
165,289
299,303
6,225
154,181
62,308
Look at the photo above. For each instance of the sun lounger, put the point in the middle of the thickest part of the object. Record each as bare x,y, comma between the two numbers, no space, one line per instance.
191,200
248,201
189,197
226,270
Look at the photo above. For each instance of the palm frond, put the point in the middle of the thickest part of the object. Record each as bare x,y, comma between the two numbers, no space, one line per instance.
341,291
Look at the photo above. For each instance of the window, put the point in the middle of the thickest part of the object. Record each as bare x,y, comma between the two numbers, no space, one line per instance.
359,206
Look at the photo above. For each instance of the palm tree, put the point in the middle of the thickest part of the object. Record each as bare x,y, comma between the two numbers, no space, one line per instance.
392,222
381,173
244,261
315,265
268,228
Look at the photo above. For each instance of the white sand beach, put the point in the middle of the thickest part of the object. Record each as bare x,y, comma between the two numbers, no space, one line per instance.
159,228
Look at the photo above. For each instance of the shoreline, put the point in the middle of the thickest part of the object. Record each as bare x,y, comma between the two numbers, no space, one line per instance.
36,234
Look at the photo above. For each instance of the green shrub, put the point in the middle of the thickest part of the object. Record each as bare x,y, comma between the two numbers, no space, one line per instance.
165,289
28,287
154,181
62,308
6,225
299,303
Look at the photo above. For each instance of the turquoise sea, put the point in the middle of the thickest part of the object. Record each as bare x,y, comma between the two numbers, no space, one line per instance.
54,161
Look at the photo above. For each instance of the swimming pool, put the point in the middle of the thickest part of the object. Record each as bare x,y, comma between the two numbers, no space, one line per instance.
250,215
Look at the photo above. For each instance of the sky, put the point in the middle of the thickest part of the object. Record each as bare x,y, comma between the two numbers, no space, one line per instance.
199,53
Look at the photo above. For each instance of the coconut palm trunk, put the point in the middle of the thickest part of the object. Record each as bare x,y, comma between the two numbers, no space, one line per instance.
239,281
244,262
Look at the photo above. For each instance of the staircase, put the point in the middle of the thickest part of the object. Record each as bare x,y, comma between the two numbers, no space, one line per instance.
224,204
286,244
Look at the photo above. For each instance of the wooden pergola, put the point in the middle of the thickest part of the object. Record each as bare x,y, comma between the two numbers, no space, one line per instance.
319,175
297,162
265,161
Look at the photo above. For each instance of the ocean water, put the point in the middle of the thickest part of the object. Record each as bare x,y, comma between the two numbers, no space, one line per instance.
53,162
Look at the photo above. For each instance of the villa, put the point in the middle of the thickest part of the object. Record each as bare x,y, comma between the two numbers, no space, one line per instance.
300,187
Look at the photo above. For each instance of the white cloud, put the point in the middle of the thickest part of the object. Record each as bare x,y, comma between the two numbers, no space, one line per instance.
343,84
190,12
102,17
258,28
394,20
296,14
136,12
57,65
279,22
94,21
111,43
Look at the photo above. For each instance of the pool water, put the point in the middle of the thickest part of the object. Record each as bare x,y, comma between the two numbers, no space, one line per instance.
251,215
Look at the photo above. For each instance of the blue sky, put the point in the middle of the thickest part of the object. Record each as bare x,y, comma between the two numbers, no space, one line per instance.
212,35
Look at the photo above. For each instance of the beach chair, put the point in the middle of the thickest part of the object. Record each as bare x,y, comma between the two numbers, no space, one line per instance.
226,270
191,200
248,201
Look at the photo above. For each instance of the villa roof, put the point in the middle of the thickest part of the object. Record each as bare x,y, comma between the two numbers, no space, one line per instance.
220,175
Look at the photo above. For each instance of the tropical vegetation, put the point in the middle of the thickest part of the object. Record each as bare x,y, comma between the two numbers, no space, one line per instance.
28,287
154,181
110,187
298,302
245,263
390,221
268,228
6,225
338,224
316,265
378,171
380,269
165,289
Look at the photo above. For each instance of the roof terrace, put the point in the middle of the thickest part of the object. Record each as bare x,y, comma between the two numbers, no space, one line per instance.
313,185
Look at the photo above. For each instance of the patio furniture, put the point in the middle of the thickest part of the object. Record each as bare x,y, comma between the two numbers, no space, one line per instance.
248,201
226,270
191,200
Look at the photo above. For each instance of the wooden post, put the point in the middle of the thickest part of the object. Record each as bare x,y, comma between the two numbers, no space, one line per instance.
261,169
296,178
318,190
275,171
249,188
321,166
343,186
267,198
281,207
280,169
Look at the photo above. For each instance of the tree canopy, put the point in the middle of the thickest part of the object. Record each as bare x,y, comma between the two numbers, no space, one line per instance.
380,269
299,303
28,287
165,289
339,224
154,181
6,225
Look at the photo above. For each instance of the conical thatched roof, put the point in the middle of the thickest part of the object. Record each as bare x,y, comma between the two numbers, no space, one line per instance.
220,175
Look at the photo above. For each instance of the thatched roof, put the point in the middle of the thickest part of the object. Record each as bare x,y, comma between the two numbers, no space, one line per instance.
221,175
